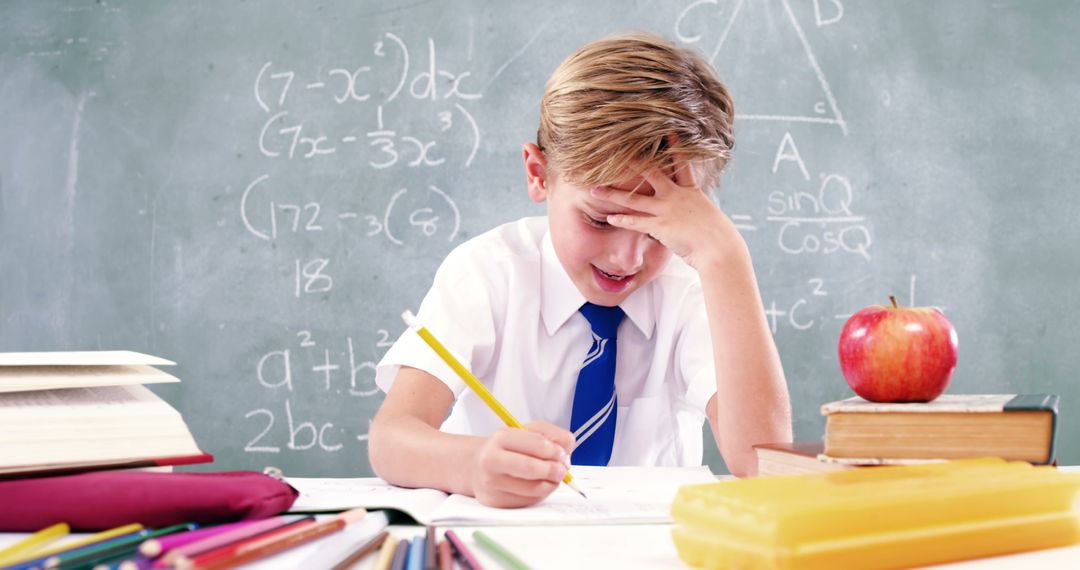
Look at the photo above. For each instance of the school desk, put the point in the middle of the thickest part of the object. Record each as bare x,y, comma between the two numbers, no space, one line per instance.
621,546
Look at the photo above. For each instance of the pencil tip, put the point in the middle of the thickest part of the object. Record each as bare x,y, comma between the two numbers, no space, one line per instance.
579,491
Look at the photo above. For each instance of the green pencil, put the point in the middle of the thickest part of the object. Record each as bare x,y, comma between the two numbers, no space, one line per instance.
110,549
504,556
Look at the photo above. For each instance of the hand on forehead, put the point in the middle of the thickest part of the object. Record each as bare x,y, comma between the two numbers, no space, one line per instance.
635,181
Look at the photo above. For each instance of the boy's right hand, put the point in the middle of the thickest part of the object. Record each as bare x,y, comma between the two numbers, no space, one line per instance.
519,467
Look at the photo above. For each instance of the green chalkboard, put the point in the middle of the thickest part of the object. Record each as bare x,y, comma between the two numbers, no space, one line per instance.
258,189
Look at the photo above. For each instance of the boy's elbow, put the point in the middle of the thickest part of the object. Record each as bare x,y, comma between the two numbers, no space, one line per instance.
377,448
741,462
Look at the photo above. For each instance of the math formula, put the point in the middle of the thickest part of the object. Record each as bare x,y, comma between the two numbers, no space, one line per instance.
401,111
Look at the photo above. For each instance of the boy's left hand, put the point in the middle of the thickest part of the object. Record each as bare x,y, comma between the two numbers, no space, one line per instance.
680,215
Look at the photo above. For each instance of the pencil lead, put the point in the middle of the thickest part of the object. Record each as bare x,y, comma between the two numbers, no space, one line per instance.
579,491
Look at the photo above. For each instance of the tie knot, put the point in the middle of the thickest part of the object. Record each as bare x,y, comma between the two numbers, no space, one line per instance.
603,320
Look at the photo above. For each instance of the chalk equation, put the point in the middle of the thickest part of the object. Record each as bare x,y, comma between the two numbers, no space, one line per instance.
809,309
424,85
394,107
307,366
818,221
432,213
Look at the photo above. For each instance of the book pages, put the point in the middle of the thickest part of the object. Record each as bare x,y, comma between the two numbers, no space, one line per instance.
81,358
27,378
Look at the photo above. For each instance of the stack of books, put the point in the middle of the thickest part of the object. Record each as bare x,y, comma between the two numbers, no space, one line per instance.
67,412
954,426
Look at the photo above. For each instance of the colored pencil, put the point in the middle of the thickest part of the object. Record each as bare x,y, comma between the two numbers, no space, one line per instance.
431,543
73,557
462,552
416,554
230,536
401,554
38,557
504,556
226,553
386,554
473,382
140,562
446,557
261,547
157,546
33,542
123,546
335,550
362,552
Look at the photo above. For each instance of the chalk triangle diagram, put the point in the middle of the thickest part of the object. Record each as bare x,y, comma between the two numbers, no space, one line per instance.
763,56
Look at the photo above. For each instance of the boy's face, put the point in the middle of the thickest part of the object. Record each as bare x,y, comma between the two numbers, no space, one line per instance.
606,264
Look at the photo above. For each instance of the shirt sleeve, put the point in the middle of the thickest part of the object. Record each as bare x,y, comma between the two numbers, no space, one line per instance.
697,367
458,312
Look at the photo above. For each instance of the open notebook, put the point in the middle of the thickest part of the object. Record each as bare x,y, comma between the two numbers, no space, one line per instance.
624,495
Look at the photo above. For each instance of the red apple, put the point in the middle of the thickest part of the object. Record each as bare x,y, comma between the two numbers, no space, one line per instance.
898,354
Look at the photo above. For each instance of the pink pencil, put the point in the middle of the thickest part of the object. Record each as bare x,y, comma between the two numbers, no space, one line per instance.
462,552
222,538
157,546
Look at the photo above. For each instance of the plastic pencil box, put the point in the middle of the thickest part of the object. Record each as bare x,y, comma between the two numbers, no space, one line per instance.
881,517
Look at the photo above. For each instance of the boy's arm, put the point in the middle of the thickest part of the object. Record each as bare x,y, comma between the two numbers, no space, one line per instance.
405,446
751,404
511,468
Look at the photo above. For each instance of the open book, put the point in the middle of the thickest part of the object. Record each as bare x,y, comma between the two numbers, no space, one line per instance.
77,411
623,495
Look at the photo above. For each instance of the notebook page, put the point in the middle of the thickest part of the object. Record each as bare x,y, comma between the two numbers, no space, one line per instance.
624,495
328,494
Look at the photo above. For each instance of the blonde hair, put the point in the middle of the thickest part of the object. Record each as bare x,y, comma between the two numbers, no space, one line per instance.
614,103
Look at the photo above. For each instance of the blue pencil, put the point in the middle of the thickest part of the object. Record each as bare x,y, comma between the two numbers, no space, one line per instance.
416,554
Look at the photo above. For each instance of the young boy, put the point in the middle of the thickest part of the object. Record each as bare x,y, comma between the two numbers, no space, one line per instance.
617,324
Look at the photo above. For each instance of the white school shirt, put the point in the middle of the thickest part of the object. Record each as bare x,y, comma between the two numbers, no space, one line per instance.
505,307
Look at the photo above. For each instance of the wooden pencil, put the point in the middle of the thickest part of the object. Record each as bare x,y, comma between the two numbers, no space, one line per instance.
231,536
386,554
362,552
40,556
504,556
117,547
462,552
431,543
446,557
209,557
158,546
401,554
261,547
33,542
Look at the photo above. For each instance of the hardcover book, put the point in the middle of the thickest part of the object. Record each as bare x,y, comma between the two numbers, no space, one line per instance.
70,412
954,426
793,459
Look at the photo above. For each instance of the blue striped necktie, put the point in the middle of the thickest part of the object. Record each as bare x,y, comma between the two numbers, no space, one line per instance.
595,404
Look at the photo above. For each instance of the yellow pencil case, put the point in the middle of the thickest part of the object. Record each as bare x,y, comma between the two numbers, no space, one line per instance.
881,517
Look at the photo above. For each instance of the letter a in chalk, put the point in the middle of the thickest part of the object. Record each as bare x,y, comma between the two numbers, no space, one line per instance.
788,152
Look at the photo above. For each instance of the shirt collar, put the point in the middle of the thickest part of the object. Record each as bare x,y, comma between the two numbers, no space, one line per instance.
560,298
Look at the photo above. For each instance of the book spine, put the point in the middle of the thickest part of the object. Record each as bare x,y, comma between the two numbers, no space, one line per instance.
1039,403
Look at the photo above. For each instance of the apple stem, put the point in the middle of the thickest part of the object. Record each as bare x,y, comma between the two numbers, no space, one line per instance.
893,299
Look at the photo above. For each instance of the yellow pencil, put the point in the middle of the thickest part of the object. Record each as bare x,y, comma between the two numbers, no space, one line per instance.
98,537
473,382
33,542
386,553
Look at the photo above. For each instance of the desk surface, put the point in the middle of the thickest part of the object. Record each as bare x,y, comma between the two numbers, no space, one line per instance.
641,547
626,547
